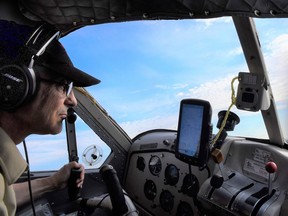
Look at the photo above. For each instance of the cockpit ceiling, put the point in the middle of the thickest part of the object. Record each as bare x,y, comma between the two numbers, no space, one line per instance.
69,15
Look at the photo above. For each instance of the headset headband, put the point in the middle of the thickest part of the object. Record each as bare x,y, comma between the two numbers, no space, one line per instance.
18,80
50,35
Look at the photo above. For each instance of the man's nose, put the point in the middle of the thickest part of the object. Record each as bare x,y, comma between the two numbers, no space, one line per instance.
71,100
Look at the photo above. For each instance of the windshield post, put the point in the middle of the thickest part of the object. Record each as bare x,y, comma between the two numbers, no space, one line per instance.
245,28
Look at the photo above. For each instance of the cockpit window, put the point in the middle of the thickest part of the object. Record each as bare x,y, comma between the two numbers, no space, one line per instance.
147,67
92,151
50,152
46,152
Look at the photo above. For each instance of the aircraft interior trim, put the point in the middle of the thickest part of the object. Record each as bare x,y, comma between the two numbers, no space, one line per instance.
138,166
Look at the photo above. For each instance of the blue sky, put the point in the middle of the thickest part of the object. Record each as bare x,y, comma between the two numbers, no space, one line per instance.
147,67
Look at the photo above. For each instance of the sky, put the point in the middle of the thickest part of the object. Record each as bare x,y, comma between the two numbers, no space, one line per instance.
146,68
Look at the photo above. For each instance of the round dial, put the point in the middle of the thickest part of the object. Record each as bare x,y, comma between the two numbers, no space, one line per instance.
166,200
171,175
141,163
150,190
190,185
155,165
184,209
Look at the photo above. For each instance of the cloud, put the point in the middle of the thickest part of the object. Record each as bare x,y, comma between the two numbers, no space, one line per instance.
47,152
217,92
158,122
236,51
209,22
50,152
173,86
277,64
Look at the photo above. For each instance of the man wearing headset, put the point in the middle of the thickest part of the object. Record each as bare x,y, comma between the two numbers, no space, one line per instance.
42,112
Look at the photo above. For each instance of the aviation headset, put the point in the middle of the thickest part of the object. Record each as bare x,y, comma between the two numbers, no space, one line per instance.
18,80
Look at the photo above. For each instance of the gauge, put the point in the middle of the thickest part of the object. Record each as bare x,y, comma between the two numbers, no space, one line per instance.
171,175
150,190
166,200
155,165
92,155
141,163
190,185
184,209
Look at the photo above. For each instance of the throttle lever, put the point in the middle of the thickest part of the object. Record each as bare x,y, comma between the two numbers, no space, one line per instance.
271,168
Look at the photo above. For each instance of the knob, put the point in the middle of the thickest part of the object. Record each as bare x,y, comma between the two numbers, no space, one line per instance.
216,181
271,167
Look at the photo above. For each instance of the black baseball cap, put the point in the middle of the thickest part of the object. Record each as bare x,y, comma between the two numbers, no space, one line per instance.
56,60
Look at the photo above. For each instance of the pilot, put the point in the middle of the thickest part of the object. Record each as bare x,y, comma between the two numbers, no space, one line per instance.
41,112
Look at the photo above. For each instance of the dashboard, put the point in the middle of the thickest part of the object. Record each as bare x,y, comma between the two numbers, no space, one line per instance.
157,181
160,184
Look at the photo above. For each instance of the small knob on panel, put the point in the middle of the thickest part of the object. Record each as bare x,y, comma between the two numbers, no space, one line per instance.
216,181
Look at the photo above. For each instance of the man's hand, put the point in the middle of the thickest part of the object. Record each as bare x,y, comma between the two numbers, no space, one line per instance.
60,178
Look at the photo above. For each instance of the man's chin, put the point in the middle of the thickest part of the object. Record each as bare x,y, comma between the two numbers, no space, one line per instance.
57,129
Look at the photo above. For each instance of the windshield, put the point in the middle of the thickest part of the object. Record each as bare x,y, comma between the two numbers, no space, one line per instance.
147,67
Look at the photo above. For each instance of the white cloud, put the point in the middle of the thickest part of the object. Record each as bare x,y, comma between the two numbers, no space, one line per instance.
135,127
236,51
173,86
210,22
277,65
217,92
46,152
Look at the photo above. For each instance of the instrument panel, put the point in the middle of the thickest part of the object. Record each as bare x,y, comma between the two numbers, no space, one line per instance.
158,181
160,184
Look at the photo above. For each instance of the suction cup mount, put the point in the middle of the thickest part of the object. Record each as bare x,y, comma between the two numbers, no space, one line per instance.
232,120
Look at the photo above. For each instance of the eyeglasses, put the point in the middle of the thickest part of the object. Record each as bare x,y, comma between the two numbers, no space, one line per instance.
67,86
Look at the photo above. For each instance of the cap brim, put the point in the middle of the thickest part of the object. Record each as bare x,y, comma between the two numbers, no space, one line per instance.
77,76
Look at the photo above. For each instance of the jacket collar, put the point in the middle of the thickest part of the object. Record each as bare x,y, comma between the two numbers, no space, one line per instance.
12,164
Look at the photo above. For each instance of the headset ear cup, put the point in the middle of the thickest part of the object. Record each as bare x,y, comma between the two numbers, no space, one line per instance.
18,81
17,86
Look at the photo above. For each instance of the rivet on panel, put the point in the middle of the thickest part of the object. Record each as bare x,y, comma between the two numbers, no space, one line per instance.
207,13
257,12
145,15
191,14
273,13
